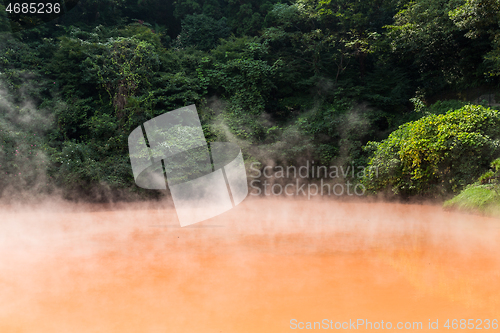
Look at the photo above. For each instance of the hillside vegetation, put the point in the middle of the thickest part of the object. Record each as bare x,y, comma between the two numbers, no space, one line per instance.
367,83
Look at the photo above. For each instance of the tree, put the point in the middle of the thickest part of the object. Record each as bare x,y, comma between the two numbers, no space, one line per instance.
429,41
481,19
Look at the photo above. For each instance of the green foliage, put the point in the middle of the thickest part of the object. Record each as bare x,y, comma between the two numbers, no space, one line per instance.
477,17
186,7
85,165
480,19
441,107
429,40
244,18
97,12
246,82
202,32
178,82
247,20
4,20
122,67
437,154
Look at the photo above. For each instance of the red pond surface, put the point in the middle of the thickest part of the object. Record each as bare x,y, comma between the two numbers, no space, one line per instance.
256,268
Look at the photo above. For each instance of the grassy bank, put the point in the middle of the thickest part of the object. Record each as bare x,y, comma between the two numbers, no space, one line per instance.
482,199
482,196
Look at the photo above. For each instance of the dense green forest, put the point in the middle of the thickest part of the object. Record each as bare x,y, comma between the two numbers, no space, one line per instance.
408,87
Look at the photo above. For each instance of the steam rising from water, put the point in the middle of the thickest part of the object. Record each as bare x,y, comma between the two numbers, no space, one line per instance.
133,269
23,159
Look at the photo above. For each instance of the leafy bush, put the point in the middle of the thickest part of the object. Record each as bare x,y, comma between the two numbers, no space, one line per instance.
437,154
